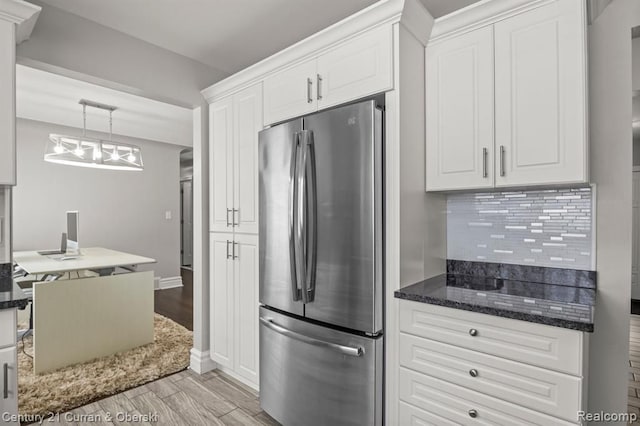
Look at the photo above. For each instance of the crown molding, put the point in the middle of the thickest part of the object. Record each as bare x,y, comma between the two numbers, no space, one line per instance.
417,19
380,13
480,14
21,13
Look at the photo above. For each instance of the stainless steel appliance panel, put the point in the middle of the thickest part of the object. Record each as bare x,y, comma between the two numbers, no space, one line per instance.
277,158
347,155
312,375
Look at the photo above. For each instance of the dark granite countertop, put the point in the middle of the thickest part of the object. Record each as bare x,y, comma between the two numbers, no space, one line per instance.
566,306
12,297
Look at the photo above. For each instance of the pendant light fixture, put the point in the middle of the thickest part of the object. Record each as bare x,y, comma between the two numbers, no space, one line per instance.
91,152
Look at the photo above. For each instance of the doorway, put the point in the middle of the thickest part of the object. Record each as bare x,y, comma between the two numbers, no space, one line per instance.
186,208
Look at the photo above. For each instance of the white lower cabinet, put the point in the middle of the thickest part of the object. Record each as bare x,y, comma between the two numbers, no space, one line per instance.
466,367
234,304
8,368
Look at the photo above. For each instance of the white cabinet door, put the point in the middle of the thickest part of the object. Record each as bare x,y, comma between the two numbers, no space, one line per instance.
247,115
7,103
358,68
541,96
290,93
221,165
635,230
221,299
246,290
459,110
9,372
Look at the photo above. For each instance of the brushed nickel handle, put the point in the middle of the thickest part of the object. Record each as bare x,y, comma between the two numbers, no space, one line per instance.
228,256
473,332
5,367
228,223
502,172
484,162
235,256
319,87
309,90
473,413
473,372
233,217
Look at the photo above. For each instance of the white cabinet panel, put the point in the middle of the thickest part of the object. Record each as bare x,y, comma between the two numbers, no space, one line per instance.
358,68
556,348
290,93
409,415
8,329
7,103
459,85
457,404
540,75
547,391
221,299
221,161
247,123
246,306
9,366
234,125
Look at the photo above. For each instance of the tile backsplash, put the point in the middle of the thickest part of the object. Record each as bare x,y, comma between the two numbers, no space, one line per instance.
551,228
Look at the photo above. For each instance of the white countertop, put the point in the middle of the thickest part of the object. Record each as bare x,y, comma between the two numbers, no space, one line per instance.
89,258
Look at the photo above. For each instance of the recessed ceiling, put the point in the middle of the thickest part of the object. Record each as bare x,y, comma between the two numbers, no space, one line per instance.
52,98
225,34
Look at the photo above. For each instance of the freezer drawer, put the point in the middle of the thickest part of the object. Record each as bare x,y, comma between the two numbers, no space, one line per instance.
313,375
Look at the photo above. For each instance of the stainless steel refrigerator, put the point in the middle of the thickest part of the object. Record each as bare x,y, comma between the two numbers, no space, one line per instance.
321,268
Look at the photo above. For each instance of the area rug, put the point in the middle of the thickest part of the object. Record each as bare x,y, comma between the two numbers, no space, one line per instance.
71,387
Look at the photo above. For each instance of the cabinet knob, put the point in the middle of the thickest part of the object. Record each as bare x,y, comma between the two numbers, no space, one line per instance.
473,372
473,413
473,332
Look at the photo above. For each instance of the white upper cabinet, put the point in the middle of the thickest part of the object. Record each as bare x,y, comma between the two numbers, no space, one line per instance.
221,160
515,89
7,104
234,125
247,123
290,93
460,112
357,68
541,97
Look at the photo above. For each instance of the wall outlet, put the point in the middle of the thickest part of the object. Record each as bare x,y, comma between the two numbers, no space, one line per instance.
167,215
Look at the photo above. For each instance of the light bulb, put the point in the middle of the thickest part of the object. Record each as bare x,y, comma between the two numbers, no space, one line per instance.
115,156
78,151
58,149
131,158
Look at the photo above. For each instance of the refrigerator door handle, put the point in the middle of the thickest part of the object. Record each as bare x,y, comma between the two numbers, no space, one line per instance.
295,289
299,216
310,221
345,350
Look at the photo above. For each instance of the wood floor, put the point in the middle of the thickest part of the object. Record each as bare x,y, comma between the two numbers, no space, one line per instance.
177,303
184,398
634,365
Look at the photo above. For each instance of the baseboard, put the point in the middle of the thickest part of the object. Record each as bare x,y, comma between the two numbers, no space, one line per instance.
201,362
169,282
239,378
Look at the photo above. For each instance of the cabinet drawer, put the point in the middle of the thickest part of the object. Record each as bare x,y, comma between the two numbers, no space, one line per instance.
542,390
8,329
542,345
409,415
455,403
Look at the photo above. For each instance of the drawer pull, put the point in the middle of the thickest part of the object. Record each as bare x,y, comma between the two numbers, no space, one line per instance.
473,332
473,413
473,372
5,393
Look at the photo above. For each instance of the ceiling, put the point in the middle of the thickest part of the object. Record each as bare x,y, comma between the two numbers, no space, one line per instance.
52,98
228,35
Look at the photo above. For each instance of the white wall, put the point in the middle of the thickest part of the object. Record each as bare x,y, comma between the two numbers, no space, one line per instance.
611,163
69,42
118,210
